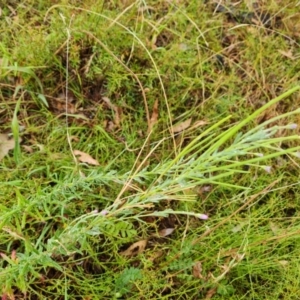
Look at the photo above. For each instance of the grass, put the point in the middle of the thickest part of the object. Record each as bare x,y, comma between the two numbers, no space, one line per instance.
208,212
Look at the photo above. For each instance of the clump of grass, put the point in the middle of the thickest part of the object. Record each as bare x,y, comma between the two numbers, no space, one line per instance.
209,212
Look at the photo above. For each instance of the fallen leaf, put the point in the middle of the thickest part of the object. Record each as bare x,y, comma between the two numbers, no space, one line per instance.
86,158
165,232
197,270
135,248
198,124
154,116
182,126
115,108
156,255
211,293
59,105
110,126
74,138
287,54
28,149
6,144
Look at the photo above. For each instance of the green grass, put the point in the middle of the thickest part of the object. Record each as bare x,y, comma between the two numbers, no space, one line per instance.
67,227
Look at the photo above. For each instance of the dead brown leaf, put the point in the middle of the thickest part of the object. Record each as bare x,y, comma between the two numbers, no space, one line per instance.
197,270
86,158
135,248
74,138
166,232
287,54
211,293
6,144
110,126
154,116
156,255
115,108
199,124
59,106
182,126
28,149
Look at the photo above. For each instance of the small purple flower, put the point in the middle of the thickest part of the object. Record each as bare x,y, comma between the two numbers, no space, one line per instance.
267,169
202,216
292,126
104,212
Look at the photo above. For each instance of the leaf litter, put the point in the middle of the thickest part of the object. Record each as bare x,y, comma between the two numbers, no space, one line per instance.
165,232
86,158
154,116
117,110
6,144
182,126
139,247
135,248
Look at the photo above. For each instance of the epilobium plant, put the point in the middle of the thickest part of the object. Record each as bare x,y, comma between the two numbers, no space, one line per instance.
208,159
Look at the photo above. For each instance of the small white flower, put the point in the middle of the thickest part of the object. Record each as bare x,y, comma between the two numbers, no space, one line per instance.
292,126
259,154
267,169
